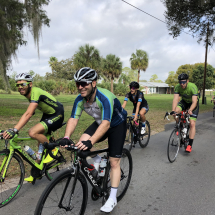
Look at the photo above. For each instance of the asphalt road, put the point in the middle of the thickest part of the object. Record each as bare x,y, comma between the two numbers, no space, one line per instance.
185,187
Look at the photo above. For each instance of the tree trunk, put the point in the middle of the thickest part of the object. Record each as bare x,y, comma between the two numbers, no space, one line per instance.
112,85
138,77
5,78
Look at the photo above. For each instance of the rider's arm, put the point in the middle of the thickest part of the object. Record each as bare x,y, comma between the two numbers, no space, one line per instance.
175,101
26,116
194,103
124,104
71,125
138,108
101,130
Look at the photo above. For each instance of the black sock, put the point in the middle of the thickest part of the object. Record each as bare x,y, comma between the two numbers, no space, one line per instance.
190,142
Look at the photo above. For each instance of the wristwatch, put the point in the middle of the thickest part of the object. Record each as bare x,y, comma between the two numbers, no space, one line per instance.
15,130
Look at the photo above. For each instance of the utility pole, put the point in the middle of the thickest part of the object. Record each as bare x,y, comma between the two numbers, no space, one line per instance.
206,51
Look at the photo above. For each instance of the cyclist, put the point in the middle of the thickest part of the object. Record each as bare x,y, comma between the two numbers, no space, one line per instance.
110,122
140,104
53,113
190,101
213,99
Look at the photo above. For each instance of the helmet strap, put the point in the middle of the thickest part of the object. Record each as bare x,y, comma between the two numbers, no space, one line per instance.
91,93
29,90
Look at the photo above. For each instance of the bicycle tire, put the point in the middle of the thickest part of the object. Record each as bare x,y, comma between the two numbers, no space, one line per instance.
126,173
51,171
144,139
173,146
49,201
12,183
129,138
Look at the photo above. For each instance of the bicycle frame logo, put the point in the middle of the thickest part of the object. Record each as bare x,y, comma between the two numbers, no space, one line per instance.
90,176
27,156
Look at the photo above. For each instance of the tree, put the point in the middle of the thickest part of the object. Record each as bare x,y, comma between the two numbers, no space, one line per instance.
63,69
193,15
15,16
198,75
172,79
87,56
187,68
139,61
111,68
154,79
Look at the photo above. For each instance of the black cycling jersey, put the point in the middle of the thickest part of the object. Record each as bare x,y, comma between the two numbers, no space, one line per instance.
139,97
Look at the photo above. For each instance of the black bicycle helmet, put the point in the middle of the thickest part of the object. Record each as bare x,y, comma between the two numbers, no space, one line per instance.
183,76
134,84
85,74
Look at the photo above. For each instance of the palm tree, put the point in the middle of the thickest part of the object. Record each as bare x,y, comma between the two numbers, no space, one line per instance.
139,61
87,56
111,68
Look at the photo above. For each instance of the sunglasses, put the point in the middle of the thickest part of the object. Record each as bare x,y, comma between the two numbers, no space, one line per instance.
83,83
132,88
182,82
22,84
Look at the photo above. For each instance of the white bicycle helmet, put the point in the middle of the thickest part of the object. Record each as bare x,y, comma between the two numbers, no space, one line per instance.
85,74
24,76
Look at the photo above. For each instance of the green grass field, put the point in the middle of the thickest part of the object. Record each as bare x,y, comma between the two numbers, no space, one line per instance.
12,107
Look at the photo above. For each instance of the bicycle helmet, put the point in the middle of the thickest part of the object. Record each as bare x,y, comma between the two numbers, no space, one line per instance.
134,84
85,74
24,76
183,76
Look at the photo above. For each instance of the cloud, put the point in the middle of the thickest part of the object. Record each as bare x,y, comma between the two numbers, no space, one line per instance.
112,27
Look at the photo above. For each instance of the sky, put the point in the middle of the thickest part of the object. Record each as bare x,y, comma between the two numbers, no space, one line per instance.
113,27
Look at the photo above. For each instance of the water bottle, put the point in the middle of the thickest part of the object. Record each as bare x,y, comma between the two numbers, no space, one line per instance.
94,172
30,152
40,151
102,166
184,132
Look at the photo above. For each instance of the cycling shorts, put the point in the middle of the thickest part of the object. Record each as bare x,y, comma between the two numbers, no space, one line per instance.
51,122
185,106
145,107
116,137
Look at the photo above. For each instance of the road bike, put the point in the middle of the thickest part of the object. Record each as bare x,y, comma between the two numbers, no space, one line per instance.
179,136
68,192
12,170
134,135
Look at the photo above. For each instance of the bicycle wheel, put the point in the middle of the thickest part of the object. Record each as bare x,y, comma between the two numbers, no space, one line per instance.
126,166
54,167
173,146
144,138
12,183
129,138
213,112
50,200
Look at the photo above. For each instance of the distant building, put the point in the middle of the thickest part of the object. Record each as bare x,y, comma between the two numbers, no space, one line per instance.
155,87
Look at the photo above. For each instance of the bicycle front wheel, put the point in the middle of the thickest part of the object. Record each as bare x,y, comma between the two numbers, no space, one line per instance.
173,146
129,138
58,198
126,167
13,180
144,138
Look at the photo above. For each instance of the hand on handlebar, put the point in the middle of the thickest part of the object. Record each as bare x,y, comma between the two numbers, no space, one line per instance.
84,145
190,112
9,134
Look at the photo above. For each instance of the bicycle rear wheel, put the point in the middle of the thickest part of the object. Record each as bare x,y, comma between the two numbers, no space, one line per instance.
144,138
129,138
12,183
173,146
126,166
61,187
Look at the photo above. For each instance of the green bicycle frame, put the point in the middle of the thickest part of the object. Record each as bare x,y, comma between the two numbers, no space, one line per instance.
15,147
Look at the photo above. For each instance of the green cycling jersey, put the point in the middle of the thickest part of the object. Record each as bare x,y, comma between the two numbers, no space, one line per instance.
46,102
188,92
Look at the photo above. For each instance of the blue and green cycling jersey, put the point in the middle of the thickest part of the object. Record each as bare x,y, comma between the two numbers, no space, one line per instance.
188,92
105,107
